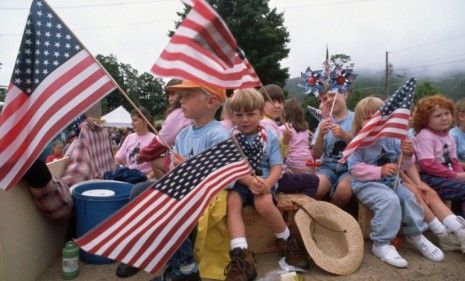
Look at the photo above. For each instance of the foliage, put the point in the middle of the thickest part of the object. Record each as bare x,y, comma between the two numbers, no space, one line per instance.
342,60
259,31
424,89
2,94
144,90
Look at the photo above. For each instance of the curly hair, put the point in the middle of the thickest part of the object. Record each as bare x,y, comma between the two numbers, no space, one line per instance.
426,106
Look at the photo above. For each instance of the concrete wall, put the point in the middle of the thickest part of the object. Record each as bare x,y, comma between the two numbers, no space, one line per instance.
29,241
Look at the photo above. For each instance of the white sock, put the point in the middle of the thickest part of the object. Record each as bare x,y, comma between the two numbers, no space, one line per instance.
452,223
187,268
437,227
240,242
283,235
416,237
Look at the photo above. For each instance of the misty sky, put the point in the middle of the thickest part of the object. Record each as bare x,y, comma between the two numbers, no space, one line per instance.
422,36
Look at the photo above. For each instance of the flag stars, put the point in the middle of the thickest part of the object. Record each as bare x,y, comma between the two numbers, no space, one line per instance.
28,71
38,42
45,71
68,37
38,3
77,47
45,62
67,45
57,44
28,42
47,34
49,24
55,63
59,26
39,13
46,53
27,52
58,35
18,81
28,22
28,32
39,23
56,54
38,33
29,90
66,55
36,81
28,81
17,71
47,43
49,15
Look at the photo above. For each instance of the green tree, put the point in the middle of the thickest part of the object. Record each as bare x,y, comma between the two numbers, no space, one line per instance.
342,60
259,31
424,89
2,94
144,89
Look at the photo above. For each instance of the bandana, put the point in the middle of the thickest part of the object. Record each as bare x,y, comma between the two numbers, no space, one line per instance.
253,150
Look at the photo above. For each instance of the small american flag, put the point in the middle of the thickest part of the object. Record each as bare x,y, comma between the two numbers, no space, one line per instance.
54,80
204,50
146,232
390,121
315,112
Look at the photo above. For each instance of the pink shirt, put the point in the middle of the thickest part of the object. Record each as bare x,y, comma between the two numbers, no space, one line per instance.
271,124
173,124
433,149
299,150
130,149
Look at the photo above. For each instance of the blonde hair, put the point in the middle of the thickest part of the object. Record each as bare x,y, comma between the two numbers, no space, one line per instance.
459,108
368,105
246,100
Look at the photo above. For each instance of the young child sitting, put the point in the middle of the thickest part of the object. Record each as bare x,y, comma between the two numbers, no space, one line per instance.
374,182
436,151
458,132
329,140
261,146
173,124
299,148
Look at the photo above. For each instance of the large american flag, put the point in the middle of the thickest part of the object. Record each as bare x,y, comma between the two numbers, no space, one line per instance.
146,232
390,121
54,80
203,49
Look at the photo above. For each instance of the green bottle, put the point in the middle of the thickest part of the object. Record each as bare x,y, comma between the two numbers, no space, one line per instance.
70,261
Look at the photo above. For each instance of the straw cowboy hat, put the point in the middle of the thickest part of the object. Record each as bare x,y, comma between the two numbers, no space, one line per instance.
331,236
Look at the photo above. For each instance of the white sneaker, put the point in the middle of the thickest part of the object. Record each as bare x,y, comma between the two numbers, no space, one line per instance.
460,234
389,254
449,242
428,249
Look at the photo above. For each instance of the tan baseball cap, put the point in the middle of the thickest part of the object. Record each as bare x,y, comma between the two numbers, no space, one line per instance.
188,84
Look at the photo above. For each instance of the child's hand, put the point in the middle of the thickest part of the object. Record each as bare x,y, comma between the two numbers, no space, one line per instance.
407,148
338,132
461,176
325,126
177,158
287,136
256,185
388,169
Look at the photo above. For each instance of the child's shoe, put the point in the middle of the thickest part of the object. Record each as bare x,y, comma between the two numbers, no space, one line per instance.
241,267
175,274
295,254
460,234
449,242
428,249
389,254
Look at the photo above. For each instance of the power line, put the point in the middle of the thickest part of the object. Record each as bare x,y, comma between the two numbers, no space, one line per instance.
95,5
102,26
327,4
428,43
429,65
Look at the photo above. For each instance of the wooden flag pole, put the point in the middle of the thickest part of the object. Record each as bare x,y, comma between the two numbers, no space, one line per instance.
116,83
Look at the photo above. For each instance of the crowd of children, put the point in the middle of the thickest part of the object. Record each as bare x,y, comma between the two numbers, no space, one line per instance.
275,138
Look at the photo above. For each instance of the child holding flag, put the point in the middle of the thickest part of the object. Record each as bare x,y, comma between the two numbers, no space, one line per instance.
373,166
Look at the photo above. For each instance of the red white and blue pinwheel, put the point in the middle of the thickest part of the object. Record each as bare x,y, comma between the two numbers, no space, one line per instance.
312,81
341,79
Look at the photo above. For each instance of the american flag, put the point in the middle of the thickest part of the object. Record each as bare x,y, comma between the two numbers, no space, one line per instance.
146,232
204,50
390,121
315,112
54,80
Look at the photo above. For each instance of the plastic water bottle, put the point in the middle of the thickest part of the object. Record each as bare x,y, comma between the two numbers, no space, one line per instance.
70,261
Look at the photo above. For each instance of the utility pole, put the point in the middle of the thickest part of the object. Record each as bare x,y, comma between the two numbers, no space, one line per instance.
387,75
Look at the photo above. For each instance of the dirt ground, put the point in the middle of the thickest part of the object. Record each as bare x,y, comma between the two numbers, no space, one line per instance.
372,268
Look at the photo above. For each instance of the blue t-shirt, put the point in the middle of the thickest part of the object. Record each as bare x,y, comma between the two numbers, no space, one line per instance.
333,146
459,137
192,141
272,154
383,151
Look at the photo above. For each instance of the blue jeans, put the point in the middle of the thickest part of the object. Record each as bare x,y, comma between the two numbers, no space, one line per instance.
333,176
185,254
391,208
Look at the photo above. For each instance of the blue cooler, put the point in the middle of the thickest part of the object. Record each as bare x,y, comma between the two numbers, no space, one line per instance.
94,201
